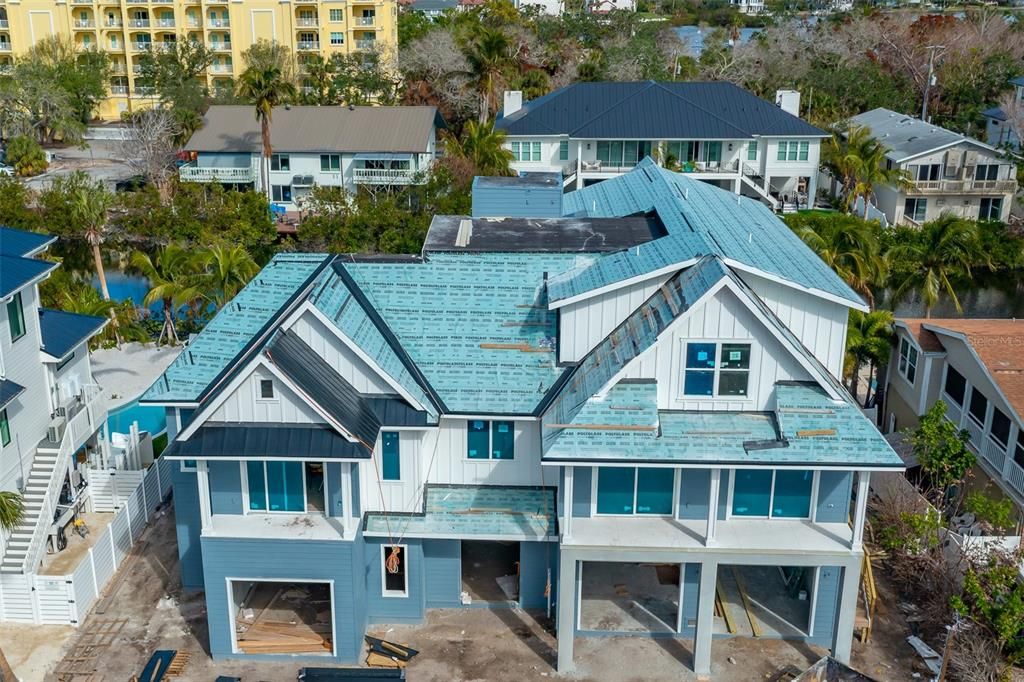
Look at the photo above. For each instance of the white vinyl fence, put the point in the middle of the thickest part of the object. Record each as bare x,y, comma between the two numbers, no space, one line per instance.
66,599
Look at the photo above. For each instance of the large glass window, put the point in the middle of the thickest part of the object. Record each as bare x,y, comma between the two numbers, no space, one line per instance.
978,406
625,490
622,153
16,317
986,172
330,162
5,428
711,152
793,150
1000,431
280,162
916,209
908,361
391,466
281,192
717,369
683,151
956,386
276,486
525,151
490,440
778,494
991,208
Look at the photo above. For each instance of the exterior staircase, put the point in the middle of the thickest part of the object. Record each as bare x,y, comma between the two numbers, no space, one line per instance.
751,181
35,496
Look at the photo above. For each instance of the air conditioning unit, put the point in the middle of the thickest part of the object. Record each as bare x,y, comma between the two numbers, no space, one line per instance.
61,411
55,430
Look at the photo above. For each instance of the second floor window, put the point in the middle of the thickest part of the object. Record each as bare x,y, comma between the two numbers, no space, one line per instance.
16,317
337,38
276,486
752,151
490,440
280,162
782,493
330,162
719,370
266,389
337,15
1000,429
978,407
525,151
5,429
955,386
563,150
990,208
908,361
625,490
793,150
391,465
986,171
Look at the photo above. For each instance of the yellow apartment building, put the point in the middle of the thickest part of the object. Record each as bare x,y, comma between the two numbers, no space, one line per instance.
125,29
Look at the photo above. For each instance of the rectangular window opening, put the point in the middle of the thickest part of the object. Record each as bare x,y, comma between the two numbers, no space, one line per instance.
391,466
393,568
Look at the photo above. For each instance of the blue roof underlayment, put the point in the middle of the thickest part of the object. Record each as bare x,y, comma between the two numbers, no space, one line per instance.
233,328
467,511
700,220
808,428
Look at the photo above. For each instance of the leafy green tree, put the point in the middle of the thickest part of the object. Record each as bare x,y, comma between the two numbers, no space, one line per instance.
265,86
12,510
16,205
362,79
868,341
172,276
27,157
944,250
176,75
412,25
482,145
993,596
225,270
318,76
940,448
998,512
847,244
488,57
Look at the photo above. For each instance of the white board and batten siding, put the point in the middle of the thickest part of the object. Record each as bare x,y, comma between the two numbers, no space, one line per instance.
720,318
440,456
245,405
339,356
66,599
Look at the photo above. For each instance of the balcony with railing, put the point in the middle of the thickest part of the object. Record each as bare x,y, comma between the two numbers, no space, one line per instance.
142,46
307,45
83,23
193,22
221,68
366,44
112,23
4,24
218,23
365,21
994,453
383,176
138,23
220,46
165,23
968,186
5,46
118,89
193,173
307,22
144,91
1014,475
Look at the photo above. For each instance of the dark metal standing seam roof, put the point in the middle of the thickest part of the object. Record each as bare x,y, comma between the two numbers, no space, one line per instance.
62,332
652,110
9,391
17,272
280,441
21,243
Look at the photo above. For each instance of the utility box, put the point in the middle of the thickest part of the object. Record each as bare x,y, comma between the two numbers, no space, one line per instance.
530,195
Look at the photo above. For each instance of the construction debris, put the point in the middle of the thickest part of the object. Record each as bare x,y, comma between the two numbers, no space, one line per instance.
930,657
385,654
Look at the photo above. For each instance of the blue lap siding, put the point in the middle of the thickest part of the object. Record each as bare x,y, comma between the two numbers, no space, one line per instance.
188,525
225,487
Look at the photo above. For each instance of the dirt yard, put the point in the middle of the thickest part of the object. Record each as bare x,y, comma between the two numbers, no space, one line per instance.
462,645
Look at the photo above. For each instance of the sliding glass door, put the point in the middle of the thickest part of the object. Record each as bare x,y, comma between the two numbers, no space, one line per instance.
622,153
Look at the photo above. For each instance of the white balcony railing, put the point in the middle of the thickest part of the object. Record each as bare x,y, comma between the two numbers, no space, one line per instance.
308,45
141,46
4,23
79,23
5,47
365,21
1015,476
219,23
365,44
965,185
994,453
220,47
113,23
88,419
227,175
307,21
221,68
382,176
165,23
138,23
119,89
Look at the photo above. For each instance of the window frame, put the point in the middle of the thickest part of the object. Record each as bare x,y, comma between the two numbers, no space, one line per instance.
752,150
920,205
280,190
945,384
970,412
717,370
1003,444
5,428
340,35
384,591
277,159
246,498
595,479
994,203
904,364
17,305
563,150
332,12
330,158
397,455
189,468
260,398
811,507
490,426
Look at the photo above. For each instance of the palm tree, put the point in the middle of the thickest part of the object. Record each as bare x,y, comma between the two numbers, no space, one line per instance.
85,300
868,340
266,86
172,279
484,146
488,55
89,205
226,270
945,249
12,510
848,245
859,163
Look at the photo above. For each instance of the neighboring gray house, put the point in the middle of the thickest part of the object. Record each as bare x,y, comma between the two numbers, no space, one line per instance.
334,146
950,173
50,407
715,131
600,414
998,132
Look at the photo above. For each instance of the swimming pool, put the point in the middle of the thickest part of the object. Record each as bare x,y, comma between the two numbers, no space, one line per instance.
150,418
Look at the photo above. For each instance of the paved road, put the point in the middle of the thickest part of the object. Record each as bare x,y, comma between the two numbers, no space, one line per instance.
100,159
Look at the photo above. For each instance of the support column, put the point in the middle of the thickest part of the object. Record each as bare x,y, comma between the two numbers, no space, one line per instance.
346,497
579,164
705,618
567,494
566,623
203,483
861,508
714,492
848,589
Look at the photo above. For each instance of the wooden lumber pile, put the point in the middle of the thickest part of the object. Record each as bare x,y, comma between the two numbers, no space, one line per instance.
384,654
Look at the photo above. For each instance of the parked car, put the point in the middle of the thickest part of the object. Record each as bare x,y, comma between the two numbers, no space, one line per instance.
6,170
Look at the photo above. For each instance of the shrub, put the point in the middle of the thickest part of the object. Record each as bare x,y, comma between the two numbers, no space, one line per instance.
27,157
996,512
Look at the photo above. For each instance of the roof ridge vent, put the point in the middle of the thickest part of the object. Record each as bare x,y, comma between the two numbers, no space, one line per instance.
465,232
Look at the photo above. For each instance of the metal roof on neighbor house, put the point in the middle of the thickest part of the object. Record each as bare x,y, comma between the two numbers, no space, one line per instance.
62,332
240,440
235,327
17,273
23,243
905,136
700,219
650,110
459,511
234,128
462,234
807,429
9,391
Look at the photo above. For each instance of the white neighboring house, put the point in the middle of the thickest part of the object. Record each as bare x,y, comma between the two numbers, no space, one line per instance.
949,171
998,132
748,6
333,146
606,6
716,131
550,7
50,407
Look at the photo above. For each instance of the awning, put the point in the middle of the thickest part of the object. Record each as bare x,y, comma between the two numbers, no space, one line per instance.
481,512
242,441
9,391
62,332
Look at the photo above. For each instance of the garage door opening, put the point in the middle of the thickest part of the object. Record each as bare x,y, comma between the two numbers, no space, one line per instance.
764,601
282,617
490,572
629,597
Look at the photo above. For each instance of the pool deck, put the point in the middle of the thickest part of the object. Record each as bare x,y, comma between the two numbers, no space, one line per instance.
127,372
